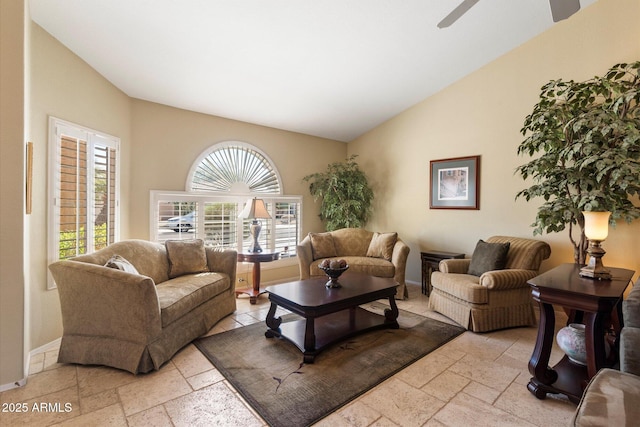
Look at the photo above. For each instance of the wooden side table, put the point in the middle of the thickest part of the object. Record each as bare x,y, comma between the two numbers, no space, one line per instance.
256,258
590,302
430,262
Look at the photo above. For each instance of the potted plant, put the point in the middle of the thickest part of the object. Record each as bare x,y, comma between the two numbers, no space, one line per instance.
345,193
588,137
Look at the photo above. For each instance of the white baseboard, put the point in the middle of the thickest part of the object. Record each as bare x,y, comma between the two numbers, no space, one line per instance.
19,383
49,346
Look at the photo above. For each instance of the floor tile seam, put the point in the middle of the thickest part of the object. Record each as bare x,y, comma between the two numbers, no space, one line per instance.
159,404
506,410
242,400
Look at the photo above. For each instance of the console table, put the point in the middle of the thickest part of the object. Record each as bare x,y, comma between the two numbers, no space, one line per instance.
256,258
591,302
430,262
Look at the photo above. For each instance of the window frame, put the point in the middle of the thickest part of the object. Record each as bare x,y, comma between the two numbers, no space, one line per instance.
58,128
201,198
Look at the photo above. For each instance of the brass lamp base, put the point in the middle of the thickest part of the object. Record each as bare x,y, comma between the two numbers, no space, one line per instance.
595,269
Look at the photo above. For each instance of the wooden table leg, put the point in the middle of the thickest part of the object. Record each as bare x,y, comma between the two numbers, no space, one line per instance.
256,283
539,363
309,340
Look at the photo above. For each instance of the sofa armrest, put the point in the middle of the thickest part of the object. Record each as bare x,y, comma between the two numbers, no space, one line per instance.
630,350
459,266
511,278
119,304
631,307
305,257
399,261
223,261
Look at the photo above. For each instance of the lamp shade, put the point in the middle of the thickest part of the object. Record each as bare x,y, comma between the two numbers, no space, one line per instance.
596,225
255,208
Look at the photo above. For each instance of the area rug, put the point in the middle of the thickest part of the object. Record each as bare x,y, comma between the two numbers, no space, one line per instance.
270,374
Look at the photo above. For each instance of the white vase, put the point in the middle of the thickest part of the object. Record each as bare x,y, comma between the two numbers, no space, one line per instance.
571,340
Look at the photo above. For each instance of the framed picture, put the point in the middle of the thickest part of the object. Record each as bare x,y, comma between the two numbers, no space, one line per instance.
455,183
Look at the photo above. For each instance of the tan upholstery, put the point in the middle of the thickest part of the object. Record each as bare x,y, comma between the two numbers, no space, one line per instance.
352,245
612,398
137,322
497,299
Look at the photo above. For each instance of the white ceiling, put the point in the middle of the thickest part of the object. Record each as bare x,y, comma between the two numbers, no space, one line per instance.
330,68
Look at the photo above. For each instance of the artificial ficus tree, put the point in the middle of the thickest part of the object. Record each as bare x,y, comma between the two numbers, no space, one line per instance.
345,193
586,139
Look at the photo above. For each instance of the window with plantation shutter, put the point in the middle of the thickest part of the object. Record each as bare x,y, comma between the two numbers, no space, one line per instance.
83,190
218,186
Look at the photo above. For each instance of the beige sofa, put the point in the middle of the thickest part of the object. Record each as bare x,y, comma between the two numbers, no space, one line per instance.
137,322
612,397
376,254
497,298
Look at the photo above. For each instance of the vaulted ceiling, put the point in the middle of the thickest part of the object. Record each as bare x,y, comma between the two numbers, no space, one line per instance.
329,68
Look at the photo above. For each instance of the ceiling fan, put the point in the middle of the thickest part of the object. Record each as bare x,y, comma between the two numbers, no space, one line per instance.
560,9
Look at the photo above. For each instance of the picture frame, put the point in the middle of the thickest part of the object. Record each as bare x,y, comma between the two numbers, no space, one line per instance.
455,183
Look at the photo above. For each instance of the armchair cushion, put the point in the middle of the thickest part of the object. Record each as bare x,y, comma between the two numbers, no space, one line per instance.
488,257
186,257
381,245
120,263
322,245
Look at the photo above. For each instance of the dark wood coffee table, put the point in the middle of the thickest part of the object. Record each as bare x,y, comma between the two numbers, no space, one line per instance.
329,314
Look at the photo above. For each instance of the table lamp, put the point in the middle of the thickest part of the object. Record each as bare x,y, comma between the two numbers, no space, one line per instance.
255,209
596,229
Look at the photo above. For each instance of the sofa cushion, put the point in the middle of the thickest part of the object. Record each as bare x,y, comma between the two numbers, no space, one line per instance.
463,286
322,245
179,296
610,399
186,257
120,263
381,245
488,257
352,241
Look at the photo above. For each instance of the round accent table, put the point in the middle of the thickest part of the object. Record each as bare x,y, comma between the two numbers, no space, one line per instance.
256,258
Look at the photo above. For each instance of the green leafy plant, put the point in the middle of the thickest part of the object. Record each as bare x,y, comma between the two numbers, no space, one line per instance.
345,193
588,134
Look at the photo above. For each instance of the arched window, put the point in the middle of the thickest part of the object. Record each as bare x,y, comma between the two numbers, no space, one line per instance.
219,184
234,167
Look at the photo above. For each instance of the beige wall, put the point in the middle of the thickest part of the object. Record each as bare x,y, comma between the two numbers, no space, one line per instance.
481,115
64,86
167,141
12,228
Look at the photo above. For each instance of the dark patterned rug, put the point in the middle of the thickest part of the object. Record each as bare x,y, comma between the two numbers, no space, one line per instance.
271,376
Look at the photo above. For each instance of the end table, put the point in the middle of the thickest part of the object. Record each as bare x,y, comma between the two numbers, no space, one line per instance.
430,261
256,258
591,302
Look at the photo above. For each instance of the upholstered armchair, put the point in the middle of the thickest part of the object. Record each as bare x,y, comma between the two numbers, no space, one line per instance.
482,298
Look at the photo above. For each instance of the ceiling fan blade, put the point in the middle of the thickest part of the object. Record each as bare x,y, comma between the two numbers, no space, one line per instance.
457,13
562,9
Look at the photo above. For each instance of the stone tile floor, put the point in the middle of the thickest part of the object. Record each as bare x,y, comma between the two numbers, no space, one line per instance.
476,379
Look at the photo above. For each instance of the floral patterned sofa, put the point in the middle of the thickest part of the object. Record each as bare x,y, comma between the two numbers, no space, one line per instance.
367,252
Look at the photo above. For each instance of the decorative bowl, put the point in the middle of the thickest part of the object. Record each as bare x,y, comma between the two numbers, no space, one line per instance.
333,274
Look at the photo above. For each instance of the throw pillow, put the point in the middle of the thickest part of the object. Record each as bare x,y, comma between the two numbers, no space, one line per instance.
322,245
120,263
381,245
488,257
186,257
